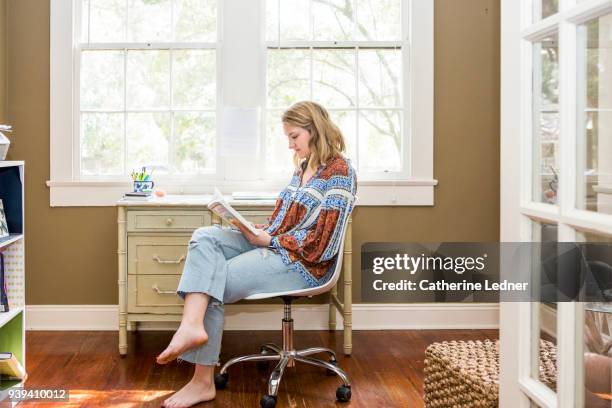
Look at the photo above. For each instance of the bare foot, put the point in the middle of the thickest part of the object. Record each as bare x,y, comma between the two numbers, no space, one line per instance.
185,338
192,393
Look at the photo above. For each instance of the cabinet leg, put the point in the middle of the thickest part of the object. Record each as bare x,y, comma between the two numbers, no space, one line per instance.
332,311
123,340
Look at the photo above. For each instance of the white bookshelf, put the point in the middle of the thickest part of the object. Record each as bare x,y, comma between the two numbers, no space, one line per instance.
12,323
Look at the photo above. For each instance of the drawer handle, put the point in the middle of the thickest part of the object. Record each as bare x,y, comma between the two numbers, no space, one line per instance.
163,292
169,221
161,261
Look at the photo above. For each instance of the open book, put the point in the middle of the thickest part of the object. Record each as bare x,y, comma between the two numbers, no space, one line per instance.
221,207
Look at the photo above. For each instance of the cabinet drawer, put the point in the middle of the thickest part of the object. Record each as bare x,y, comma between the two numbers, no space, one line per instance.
154,294
167,220
256,217
157,255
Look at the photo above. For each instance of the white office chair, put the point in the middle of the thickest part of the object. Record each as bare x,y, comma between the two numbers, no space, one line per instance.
287,355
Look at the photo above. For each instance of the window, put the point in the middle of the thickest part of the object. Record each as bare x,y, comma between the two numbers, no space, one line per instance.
149,82
349,56
147,87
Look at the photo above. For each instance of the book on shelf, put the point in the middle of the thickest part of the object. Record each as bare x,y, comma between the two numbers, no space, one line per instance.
221,207
10,367
4,305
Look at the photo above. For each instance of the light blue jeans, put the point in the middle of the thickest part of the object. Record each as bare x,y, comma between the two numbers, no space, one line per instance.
223,264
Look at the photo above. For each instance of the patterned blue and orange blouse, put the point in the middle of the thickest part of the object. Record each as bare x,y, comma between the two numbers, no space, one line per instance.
307,220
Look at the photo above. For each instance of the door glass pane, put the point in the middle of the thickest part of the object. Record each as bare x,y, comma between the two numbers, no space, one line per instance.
546,120
597,334
544,315
594,136
544,8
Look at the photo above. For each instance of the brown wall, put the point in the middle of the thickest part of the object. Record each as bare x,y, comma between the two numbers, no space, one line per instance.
71,252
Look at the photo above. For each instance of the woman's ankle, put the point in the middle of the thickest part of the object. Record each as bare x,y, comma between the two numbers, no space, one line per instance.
204,375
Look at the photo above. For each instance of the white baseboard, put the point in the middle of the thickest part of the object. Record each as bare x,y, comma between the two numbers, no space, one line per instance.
366,316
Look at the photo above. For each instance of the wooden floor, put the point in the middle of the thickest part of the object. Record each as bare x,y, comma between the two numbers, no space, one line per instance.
386,369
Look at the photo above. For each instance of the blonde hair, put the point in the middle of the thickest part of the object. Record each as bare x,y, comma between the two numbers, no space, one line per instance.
326,138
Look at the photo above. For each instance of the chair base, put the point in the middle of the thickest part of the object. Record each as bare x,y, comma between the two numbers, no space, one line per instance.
287,356
272,352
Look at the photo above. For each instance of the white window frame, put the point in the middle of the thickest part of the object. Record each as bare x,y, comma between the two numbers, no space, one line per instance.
519,211
242,85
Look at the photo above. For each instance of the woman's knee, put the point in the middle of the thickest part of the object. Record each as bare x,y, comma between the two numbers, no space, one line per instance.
205,232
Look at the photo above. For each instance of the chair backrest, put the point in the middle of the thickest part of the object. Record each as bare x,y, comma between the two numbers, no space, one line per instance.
336,274
326,287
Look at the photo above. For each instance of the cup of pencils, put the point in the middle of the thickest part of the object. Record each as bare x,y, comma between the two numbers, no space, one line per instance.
142,181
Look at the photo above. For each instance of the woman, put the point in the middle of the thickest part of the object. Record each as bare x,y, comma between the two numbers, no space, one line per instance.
296,250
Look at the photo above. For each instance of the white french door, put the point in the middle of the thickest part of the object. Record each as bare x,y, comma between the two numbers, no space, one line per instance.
556,183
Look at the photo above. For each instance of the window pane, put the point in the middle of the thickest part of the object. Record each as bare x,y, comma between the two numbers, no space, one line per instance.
544,315
380,142
594,136
333,20
379,19
347,122
194,142
102,80
545,8
195,20
194,79
288,77
148,136
148,79
279,158
294,20
102,144
107,19
546,120
149,20
334,77
597,331
380,78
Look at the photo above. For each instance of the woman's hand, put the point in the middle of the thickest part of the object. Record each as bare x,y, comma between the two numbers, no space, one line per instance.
263,239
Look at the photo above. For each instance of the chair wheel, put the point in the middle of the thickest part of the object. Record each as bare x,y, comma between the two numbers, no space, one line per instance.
334,362
221,381
343,393
267,401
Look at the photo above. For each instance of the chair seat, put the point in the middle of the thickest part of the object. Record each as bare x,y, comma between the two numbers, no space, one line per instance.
297,293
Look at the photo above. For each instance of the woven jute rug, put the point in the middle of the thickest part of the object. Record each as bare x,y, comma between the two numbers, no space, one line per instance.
462,374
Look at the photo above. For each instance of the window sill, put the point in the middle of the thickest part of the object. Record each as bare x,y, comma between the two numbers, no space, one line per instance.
413,192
